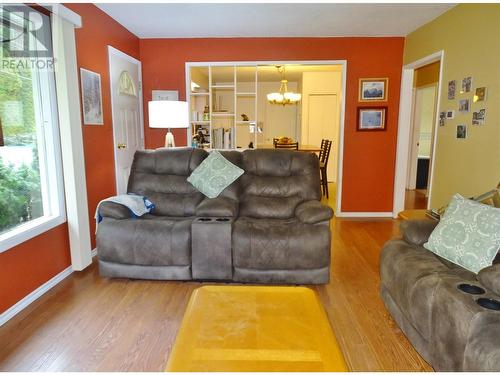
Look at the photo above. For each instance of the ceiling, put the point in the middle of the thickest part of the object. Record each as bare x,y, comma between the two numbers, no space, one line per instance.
189,20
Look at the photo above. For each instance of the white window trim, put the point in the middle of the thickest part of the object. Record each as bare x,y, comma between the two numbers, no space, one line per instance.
51,174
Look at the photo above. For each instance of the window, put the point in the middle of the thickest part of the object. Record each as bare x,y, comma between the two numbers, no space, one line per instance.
31,199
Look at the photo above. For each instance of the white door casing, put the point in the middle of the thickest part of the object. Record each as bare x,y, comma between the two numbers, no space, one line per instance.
126,102
404,134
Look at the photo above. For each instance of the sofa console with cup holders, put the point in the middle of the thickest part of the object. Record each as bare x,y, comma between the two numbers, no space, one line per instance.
450,315
266,227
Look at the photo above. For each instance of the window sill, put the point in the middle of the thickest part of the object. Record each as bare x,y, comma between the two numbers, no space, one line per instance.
29,230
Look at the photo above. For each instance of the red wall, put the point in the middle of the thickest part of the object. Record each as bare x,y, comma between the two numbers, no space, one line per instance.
369,157
29,265
92,40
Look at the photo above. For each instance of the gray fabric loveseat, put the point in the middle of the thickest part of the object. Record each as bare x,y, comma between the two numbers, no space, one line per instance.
437,303
266,227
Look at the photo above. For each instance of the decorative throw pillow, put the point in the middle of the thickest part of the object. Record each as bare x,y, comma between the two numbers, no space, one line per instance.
214,174
468,234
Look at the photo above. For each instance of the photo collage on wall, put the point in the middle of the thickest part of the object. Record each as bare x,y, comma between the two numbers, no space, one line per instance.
466,104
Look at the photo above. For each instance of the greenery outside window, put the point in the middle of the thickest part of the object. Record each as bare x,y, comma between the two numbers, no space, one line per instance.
31,189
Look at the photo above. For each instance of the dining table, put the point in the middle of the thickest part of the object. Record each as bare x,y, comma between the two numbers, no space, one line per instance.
302,148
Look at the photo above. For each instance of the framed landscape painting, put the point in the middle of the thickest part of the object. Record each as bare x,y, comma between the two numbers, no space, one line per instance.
372,118
91,97
373,89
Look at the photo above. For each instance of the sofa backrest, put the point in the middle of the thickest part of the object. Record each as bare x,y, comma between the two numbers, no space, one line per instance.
276,181
161,176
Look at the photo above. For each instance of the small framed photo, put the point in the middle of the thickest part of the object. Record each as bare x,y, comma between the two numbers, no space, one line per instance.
466,85
452,86
463,105
480,94
91,97
442,118
461,131
373,89
372,118
478,117
450,115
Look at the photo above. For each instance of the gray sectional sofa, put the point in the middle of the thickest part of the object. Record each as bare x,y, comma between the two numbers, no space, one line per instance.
267,227
447,312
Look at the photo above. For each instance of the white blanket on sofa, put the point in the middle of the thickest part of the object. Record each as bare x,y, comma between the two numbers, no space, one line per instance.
138,205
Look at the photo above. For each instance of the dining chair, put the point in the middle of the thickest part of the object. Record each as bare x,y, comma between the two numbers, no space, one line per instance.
322,149
288,146
323,164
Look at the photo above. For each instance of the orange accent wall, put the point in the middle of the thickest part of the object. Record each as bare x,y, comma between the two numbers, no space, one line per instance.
29,265
92,39
369,157
32,263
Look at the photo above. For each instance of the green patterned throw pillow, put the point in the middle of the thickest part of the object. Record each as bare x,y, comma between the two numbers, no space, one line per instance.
468,234
214,174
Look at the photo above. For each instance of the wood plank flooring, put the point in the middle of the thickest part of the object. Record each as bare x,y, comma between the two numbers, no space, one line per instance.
87,323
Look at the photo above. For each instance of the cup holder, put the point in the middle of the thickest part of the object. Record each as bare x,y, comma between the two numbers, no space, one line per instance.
489,303
204,219
471,289
222,219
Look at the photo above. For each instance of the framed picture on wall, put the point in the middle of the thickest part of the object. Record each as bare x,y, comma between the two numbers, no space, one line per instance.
373,89
91,97
372,118
461,131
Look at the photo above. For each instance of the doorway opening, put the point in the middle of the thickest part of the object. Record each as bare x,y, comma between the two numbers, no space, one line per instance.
425,86
230,108
418,121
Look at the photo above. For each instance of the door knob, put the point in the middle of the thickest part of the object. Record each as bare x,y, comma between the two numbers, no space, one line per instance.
121,145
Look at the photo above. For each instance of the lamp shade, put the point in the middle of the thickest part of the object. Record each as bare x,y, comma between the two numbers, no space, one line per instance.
168,114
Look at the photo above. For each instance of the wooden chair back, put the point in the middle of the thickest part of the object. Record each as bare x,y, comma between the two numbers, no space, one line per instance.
288,146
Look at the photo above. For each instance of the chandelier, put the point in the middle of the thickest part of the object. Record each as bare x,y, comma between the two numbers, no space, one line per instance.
284,96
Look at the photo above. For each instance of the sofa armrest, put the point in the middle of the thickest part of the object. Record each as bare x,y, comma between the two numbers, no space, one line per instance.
219,207
417,232
312,212
114,211
490,278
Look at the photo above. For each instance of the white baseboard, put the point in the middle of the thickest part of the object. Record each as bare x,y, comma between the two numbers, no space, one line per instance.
37,293
34,295
364,214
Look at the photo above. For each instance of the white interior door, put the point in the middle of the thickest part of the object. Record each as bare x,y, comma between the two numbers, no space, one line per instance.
126,102
322,123
424,115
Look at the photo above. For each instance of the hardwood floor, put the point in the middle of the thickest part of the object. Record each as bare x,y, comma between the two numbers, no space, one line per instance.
415,199
87,323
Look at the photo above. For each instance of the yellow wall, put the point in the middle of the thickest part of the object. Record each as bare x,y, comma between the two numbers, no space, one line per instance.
426,75
469,34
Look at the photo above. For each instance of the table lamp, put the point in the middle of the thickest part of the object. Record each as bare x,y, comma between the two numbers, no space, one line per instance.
168,114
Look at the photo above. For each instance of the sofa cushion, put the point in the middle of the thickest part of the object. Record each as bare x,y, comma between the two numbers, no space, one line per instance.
147,241
161,175
214,174
277,181
280,244
411,274
467,235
